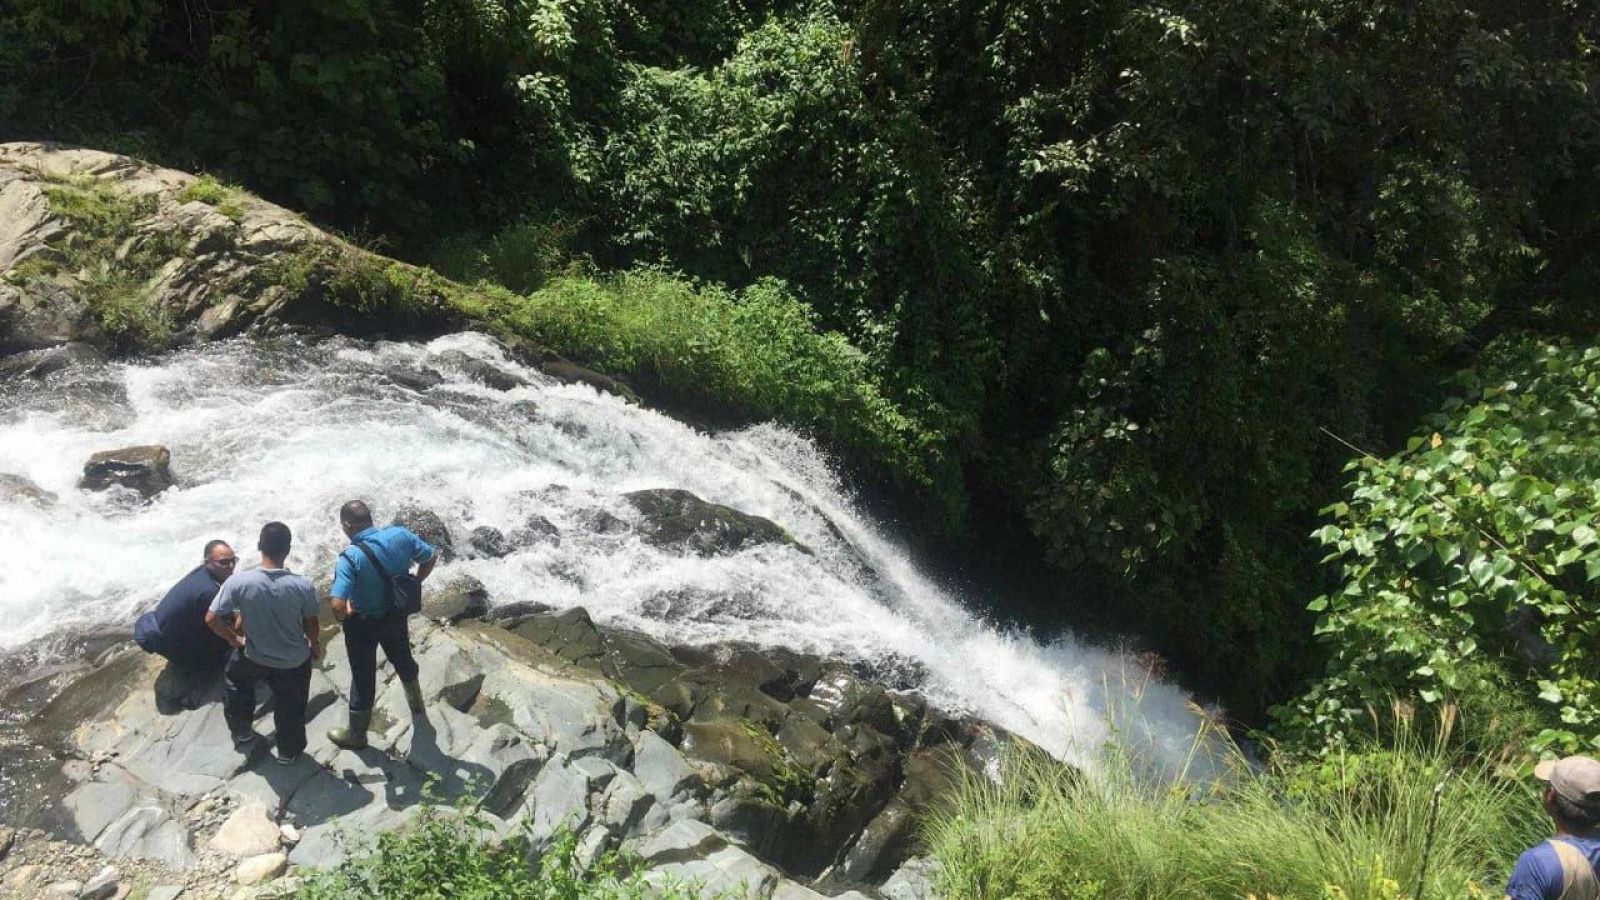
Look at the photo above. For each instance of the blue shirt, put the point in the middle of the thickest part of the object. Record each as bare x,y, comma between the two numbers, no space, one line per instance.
356,581
1538,876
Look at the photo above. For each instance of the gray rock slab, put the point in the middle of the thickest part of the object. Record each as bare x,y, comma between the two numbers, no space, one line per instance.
730,872
559,799
165,892
622,807
148,832
686,839
660,767
95,804
914,880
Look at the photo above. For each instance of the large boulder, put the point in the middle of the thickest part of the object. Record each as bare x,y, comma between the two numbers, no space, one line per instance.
426,524
201,269
144,469
678,519
462,597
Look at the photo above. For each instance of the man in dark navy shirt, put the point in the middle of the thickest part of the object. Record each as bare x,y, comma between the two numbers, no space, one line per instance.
176,628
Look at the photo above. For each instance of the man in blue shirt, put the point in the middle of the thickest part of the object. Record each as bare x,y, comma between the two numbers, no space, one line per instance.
269,615
176,628
1564,866
363,601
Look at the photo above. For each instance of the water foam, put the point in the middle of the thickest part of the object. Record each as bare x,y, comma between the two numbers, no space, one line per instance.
289,431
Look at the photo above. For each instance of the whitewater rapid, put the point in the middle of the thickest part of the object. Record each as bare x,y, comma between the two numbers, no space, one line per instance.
289,431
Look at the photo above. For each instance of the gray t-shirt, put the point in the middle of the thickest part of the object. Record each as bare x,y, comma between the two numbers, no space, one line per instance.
276,603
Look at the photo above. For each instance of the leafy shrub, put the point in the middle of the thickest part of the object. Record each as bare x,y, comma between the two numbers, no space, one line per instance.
1469,563
454,855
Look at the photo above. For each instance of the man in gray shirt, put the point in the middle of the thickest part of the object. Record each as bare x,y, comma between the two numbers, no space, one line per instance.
269,616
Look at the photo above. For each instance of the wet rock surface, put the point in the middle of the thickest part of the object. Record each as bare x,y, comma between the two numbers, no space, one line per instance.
678,519
742,768
144,469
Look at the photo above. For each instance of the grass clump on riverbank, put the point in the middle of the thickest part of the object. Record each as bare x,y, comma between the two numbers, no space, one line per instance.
1349,826
447,855
758,353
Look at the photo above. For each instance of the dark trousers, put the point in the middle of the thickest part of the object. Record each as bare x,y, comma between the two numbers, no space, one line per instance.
362,638
290,688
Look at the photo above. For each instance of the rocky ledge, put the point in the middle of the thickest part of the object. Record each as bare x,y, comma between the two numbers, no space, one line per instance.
762,773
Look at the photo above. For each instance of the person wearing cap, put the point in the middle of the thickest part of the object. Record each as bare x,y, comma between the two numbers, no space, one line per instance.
1563,868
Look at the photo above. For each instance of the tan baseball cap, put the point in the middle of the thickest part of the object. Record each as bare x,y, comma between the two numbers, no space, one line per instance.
1576,778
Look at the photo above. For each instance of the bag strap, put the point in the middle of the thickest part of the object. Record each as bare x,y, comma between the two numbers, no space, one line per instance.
374,558
1578,877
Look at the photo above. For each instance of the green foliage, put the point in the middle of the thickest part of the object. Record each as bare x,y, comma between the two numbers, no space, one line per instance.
208,190
520,258
454,855
1351,826
1470,561
756,352
113,254
1120,262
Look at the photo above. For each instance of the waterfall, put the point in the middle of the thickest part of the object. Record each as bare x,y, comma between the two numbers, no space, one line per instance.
287,430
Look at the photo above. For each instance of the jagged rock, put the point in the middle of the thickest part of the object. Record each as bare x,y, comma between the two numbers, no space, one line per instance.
261,868
426,524
101,886
680,520
462,597
15,488
144,469
8,836
884,841
569,634
660,768
164,892
601,521
490,542
248,832
483,371
537,530
418,380
915,880
46,362
560,799
68,889
220,279
570,373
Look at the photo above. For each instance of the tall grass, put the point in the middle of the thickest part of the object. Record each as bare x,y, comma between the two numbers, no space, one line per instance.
1350,826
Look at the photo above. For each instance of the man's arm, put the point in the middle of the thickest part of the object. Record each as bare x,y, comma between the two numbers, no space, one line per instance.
426,569
227,628
314,637
344,577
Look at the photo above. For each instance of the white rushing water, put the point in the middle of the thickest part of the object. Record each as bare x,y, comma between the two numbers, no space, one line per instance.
289,431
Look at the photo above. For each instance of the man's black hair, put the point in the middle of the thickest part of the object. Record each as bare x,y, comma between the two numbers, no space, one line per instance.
212,545
1580,818
275,540
355,514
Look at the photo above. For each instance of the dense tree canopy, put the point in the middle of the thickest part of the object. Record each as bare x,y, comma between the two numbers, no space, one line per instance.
1128,262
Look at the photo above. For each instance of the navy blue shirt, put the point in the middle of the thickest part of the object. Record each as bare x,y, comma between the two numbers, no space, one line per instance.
181,616
354,578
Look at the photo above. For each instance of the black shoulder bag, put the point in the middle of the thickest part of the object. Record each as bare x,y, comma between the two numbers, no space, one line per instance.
403,592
